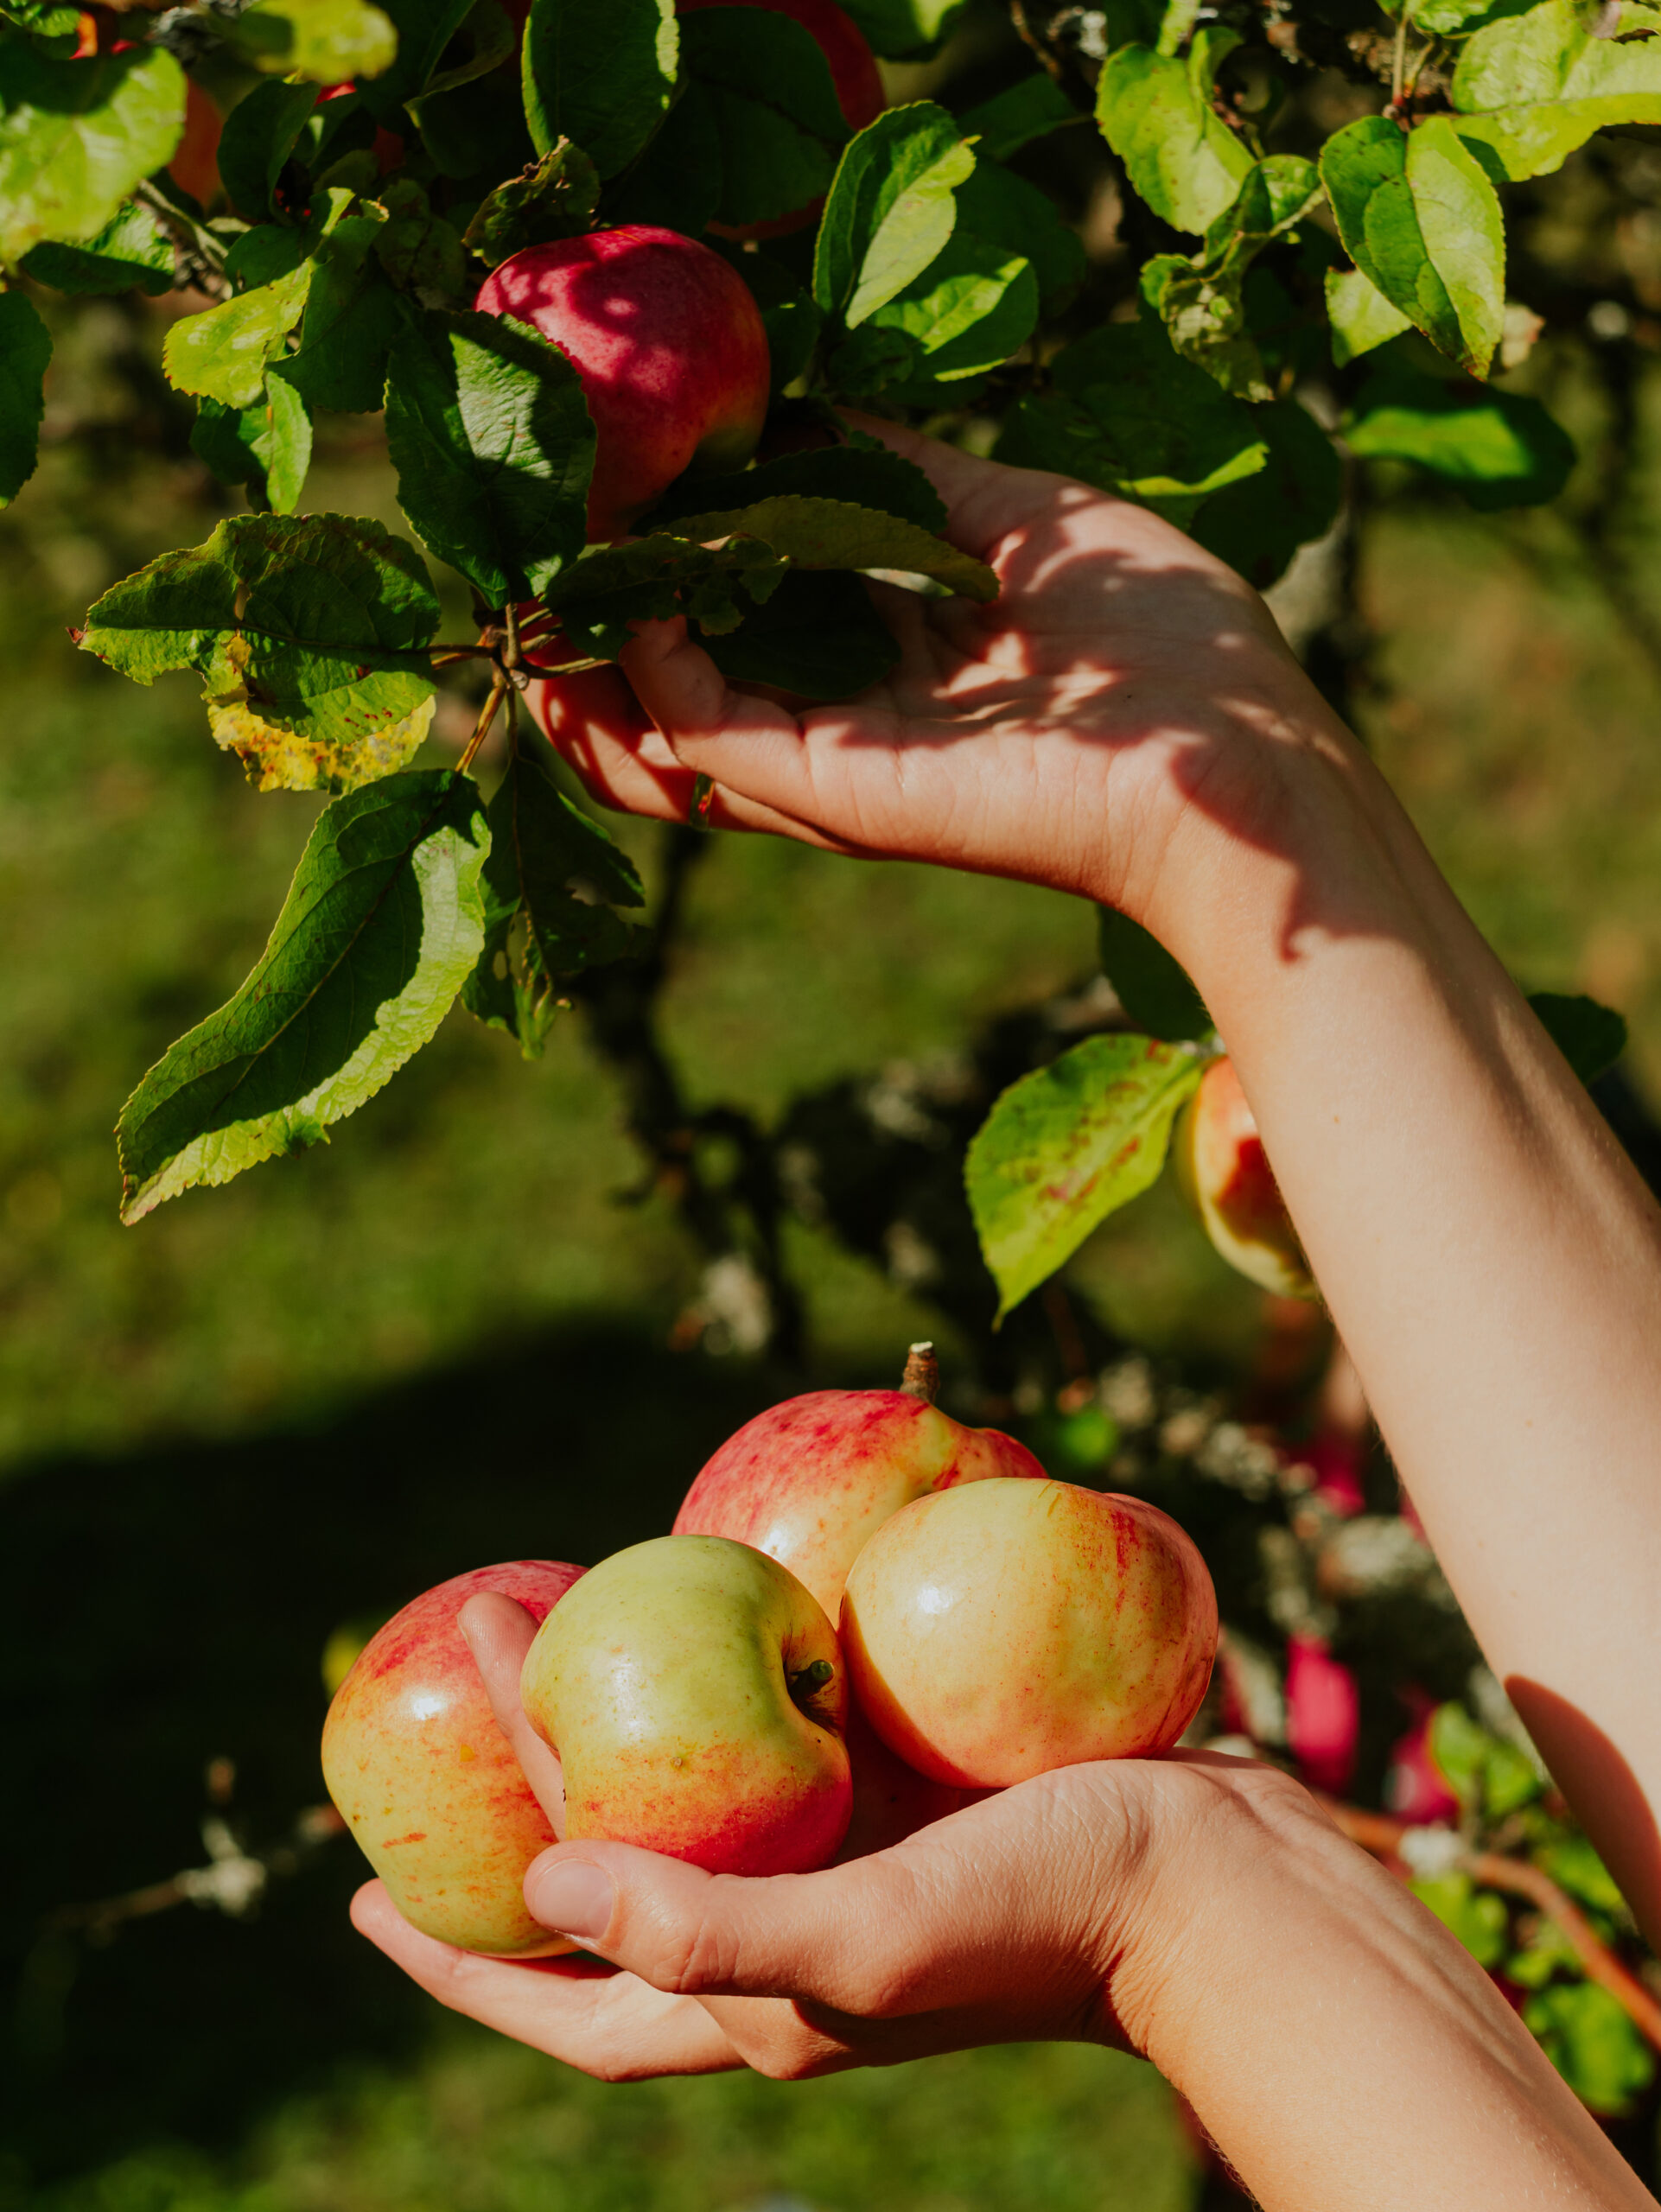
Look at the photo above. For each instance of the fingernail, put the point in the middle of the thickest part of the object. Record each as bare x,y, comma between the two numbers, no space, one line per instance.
573,1898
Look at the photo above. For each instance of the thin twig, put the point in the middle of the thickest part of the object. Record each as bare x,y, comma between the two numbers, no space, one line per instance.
482,728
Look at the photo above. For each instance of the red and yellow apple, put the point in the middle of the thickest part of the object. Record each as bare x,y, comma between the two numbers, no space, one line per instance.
425,1779
1226,1178
696,1696
810,1481
669,345
994,1632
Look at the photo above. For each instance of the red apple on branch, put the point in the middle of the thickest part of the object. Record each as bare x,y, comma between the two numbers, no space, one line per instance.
670,346
810,1481
1226,1178
994,1632
696,1695
425,1779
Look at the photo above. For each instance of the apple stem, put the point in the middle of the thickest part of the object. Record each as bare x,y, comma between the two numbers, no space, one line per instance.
922,1377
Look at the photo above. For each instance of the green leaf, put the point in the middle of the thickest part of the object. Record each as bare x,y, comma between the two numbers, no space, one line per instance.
425,28
1155,113
773,107
223,353
306,630
1477,1917
1545,1953
1360,316
651,578
383,921
267,445
906,30
351,316
857,474
1127,414
1574,1865
324,40
1256,525
1500,448
789,316
1066,1147
25,353
1153,988
549,884
555,200
131,250
1532,87
76,136
1201,301
816,533
1031,108
1421,222
485,39
1004,209
975,305
260,134
490,435
1593,2043
818,635
599,71
1460,1749
419,250
1590,1037
890,210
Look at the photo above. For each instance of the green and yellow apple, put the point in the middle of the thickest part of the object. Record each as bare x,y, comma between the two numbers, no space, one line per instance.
425,1779
994,1632
696,1695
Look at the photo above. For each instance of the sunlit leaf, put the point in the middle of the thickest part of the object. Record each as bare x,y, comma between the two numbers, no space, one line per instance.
76,136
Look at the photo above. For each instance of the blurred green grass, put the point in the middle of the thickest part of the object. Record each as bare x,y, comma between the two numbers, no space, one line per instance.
351,1372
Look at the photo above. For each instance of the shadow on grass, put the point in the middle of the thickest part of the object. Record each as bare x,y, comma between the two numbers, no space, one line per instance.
172,1607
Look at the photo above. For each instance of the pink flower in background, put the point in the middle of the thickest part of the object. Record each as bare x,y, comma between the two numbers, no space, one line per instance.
1335,1461
1414,1788
1323,1714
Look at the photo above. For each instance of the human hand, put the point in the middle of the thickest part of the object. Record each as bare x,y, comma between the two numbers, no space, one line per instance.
1059,735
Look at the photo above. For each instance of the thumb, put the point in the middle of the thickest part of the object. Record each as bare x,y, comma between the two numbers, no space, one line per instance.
998,1904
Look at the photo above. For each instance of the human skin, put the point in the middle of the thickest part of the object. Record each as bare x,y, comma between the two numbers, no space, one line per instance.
425,1779
996,1632
1125,723
1226,1178
697,1699
668,344
809,1481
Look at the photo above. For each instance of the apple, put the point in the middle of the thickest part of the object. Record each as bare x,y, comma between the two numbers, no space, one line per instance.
1226,1178
425,1779
810,1481
696,1696
854,73
996,1631
670,346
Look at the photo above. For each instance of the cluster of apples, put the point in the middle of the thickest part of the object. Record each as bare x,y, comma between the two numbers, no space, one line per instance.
991,1625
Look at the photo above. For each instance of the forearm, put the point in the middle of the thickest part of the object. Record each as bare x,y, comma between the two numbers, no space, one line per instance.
1343,2051
1491,1261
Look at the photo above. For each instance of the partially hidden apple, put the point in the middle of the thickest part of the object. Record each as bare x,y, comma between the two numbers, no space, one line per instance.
854,73
994,1632
1226,1176
810,1481
670,346
425,1779
695,1695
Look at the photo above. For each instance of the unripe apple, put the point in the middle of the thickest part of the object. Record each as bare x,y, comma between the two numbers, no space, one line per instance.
810,1481
425,1779
670,346
994,1632
1226,1178
696,1696
854,73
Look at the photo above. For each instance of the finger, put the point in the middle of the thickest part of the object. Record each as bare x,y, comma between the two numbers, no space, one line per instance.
1002,1905
608,2024
499,1632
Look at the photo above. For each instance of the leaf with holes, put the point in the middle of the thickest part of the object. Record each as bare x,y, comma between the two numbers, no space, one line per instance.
381,926
1066,1147
306,630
